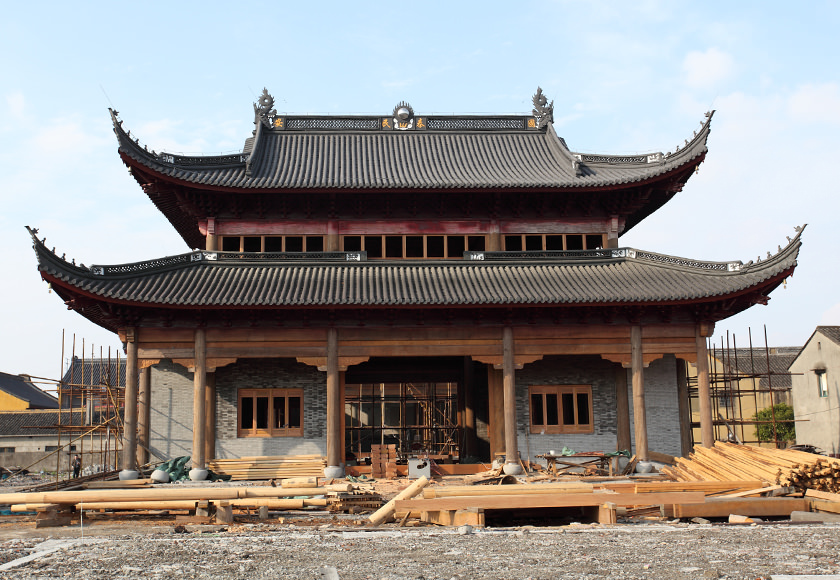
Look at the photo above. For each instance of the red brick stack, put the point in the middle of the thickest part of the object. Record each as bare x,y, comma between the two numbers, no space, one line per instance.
383,461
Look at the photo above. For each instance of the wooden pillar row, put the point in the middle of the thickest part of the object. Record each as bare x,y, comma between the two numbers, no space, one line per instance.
129,450
199,400
638,372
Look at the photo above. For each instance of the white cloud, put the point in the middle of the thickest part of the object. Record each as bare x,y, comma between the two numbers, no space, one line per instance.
16,103
706,69
816,103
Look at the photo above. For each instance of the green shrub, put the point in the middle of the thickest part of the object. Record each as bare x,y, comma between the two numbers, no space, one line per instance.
785,429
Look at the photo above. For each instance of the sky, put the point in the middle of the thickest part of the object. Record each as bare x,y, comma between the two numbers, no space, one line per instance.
625,77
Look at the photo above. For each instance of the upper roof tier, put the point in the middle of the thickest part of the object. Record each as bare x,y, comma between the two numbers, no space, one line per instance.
404,151
438,152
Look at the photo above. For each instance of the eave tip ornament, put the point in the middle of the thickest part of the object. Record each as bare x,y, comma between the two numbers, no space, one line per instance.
543,110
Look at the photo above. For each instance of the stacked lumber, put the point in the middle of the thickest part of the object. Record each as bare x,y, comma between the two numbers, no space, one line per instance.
730,462
274,467
383,461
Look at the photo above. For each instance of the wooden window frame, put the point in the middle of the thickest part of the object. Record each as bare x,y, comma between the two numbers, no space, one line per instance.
559,391
271,394
425,256
822,383
523,240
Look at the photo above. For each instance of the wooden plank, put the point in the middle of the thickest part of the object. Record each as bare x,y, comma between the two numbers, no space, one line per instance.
826,495
821,505
548,500
472,517
750,506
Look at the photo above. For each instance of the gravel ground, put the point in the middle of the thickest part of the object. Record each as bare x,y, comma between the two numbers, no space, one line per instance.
666,551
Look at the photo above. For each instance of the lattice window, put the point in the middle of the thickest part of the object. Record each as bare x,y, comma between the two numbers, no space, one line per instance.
270,413
561,409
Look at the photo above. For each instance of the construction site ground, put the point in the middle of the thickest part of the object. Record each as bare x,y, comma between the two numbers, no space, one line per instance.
299,544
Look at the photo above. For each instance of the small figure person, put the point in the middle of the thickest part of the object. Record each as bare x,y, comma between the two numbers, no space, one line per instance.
76,465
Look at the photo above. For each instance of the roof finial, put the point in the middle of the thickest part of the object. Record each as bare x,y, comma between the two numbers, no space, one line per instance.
543,110
263,108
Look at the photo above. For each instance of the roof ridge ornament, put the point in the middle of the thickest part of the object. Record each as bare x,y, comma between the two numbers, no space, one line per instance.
263,109
543,110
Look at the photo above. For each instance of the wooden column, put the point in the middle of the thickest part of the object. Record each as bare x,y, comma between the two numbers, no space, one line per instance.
496,415
512,466
334,462
211,241
199,398
622,410
210,417
144,416
332,242
704,395
469,411
637,369
129,450
684,406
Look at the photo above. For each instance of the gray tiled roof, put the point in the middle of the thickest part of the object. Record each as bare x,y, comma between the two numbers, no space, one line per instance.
21,388
95,371
39,422
831,332
477,159
204,279
756,361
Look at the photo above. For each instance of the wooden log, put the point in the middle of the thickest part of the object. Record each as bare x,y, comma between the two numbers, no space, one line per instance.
155,493
280,504
525,489
387,510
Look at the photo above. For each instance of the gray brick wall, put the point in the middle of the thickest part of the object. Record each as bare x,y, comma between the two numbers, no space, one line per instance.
661,405
171,414
568,370
172,396
660,402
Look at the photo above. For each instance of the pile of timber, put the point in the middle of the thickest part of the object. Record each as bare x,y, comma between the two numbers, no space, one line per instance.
276,467
730,462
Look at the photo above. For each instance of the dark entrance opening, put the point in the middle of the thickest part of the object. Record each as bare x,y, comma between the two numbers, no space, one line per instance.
417,404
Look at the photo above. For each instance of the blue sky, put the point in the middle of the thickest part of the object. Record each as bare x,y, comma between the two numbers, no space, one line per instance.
625,78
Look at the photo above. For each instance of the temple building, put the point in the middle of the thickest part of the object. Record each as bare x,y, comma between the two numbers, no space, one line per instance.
450,284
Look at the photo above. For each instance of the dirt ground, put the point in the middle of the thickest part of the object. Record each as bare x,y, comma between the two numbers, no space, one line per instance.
299,545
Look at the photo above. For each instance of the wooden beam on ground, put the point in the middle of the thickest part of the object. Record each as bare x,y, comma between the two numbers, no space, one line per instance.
747,506
548,500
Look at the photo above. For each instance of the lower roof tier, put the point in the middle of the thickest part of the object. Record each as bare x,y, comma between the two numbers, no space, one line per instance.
229,281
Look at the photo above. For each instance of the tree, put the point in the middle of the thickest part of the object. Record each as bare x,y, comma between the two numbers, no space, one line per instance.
785,429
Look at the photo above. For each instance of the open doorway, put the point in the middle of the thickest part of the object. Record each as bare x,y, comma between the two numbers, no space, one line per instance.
417,417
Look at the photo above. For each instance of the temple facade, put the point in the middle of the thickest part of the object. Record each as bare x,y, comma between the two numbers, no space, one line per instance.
453,285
